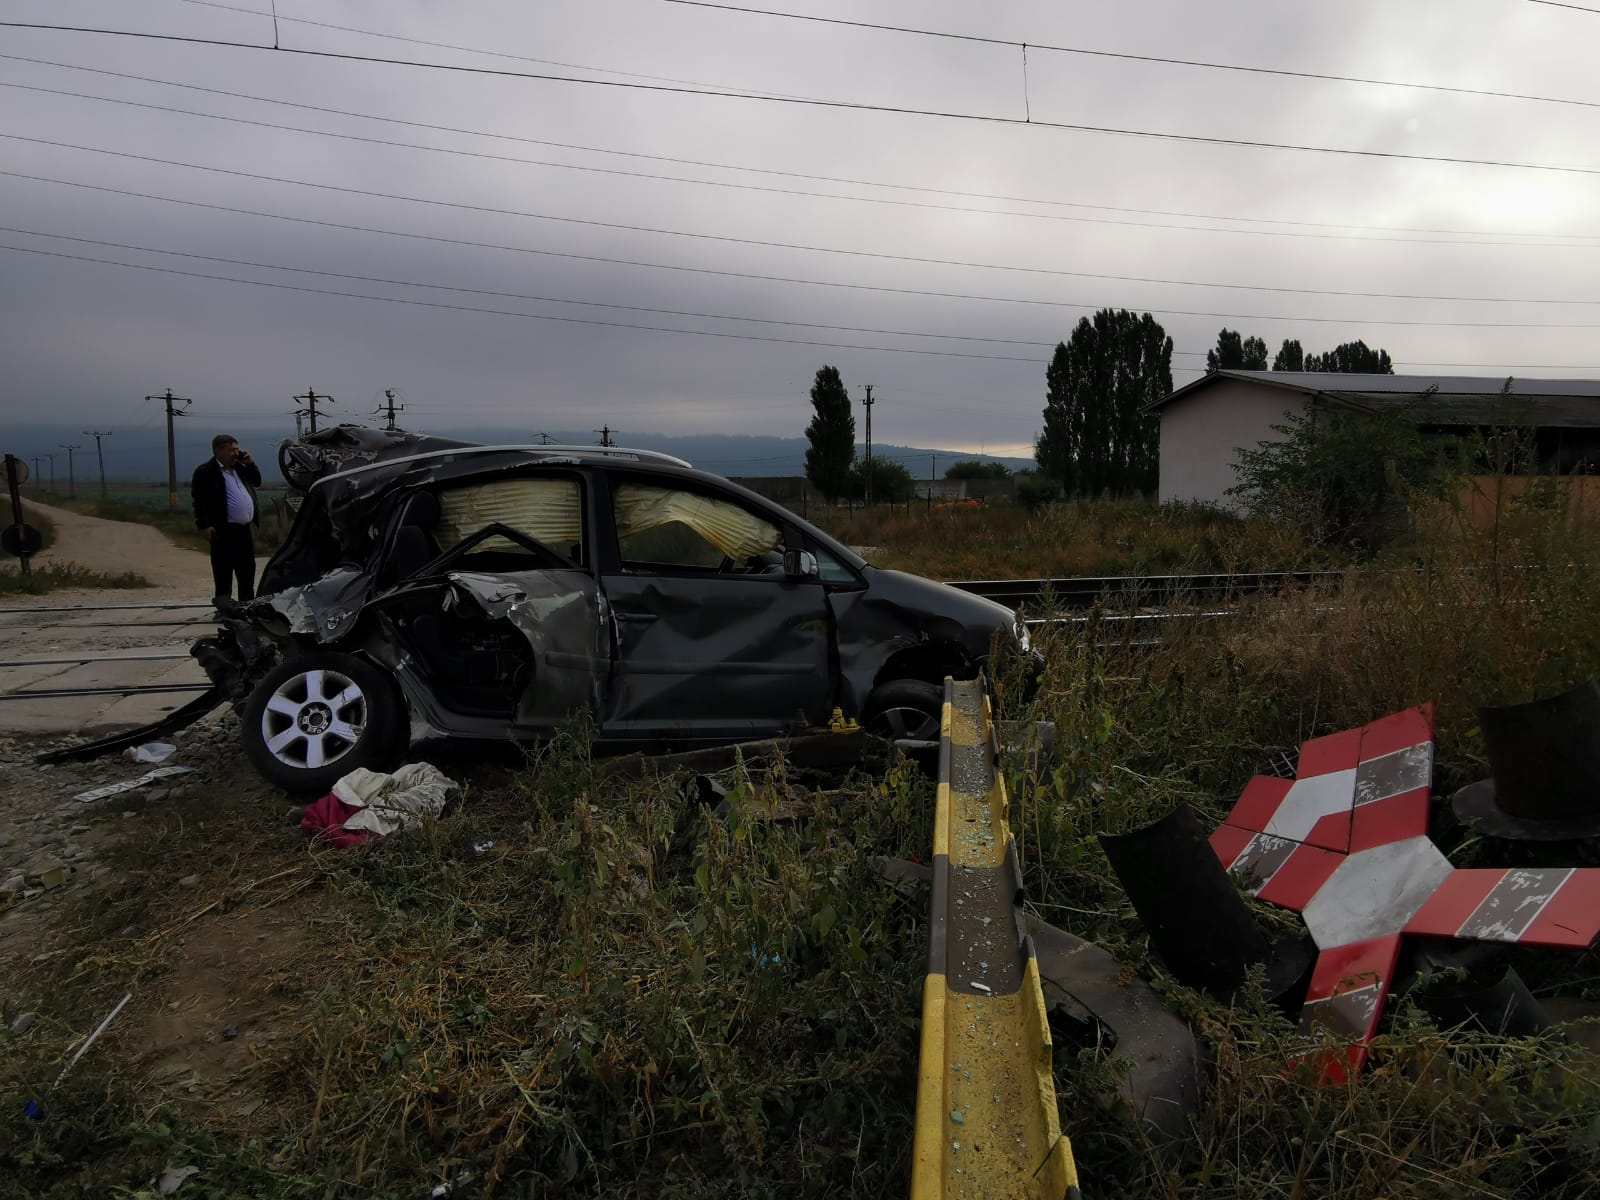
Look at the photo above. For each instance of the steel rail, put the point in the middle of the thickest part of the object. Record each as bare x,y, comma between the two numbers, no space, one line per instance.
1083,591
151,689
987,1122
27,608
92,658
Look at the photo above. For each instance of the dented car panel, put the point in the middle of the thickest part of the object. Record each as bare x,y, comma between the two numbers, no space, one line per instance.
736,657
912,626
499,590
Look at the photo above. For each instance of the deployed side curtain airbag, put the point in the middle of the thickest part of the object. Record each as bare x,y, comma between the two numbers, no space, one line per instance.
547,510
729,528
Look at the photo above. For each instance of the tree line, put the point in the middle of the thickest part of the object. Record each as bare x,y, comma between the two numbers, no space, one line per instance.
1100,434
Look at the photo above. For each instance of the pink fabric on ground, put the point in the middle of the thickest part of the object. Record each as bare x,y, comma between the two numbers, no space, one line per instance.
325,820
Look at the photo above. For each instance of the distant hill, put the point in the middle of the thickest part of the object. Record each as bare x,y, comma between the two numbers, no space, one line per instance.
140,455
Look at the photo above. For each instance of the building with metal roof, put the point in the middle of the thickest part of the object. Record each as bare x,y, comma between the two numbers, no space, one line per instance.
1206,422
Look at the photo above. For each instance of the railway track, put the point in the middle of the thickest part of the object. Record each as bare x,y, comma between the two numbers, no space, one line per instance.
1147,591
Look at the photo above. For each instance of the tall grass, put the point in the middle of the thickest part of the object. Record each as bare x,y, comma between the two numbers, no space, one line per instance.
1001,540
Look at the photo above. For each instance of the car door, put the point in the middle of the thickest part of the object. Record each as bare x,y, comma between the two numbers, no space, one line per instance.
712,639
499,615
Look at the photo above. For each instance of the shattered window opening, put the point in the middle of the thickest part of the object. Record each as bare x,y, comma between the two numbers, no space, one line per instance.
667,527
548,510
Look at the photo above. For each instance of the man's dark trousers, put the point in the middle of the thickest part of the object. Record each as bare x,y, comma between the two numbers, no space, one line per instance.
233,555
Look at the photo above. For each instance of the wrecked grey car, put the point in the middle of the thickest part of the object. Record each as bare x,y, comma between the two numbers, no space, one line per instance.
486,592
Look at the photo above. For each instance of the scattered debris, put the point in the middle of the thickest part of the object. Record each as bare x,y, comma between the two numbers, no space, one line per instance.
90,1040
173,1178
367,804
150,752
231,1032
1544,759
23,1023
128,785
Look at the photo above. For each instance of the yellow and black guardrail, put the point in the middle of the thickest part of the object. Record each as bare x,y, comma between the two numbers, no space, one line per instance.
987,1124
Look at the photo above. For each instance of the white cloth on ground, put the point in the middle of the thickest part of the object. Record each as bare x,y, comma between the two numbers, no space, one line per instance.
391,802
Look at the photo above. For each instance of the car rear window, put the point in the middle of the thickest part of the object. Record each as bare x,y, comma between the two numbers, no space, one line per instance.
670,527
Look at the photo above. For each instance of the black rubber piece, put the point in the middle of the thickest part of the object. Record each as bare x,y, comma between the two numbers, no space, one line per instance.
1505,1007
178,718
1196,919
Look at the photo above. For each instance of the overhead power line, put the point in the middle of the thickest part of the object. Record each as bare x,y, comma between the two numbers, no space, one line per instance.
815,178
1282,72
291,287
1559,4
725,239
837,105
442,287
546,62
510,248
720,183
1086,306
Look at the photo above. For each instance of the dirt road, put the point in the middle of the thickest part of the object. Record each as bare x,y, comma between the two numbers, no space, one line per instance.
104,645
115,547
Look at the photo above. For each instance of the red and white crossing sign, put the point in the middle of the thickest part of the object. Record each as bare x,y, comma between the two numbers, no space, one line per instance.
1345,844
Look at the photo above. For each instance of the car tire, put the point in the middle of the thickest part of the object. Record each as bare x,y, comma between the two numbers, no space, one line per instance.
316,717
904,710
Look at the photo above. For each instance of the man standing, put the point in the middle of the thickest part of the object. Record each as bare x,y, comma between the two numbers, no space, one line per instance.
224,493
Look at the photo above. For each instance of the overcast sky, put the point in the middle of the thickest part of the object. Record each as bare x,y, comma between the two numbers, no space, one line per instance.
84,341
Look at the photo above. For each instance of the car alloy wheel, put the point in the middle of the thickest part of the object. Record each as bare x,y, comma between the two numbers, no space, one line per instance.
313,719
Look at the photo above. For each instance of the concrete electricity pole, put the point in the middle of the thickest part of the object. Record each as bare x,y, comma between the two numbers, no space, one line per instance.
605,435
99,453
72,485
172,450
866,473
310,410
52,459
389,410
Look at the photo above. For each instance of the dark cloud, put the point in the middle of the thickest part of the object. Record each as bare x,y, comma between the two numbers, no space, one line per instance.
89,340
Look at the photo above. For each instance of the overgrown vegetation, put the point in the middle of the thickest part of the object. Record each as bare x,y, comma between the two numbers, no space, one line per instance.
56,576
1000,540
630,993
1344,477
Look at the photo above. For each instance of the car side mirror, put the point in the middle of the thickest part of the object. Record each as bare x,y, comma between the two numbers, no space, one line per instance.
799,564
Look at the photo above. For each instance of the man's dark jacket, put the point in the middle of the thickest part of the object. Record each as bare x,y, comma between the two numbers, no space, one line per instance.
210,494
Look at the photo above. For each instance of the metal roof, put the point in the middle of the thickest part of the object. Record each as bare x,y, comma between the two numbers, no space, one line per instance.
1455,399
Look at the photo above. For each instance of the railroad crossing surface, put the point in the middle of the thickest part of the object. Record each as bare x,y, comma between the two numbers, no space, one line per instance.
96,668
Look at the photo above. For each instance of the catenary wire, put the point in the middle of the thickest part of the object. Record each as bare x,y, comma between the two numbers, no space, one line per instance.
546,62
836,105
726,239
501,246
291,287
670,312
508,158
721,166
1125,56
1084,306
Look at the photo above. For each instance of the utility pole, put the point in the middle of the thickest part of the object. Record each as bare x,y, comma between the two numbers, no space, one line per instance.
172,450
52,459
544,438
605,435
310,410
72,486
388,409
866,474
933,474
37,481
97,434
